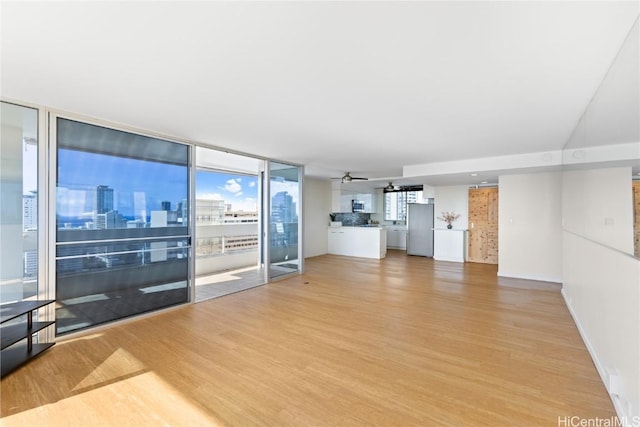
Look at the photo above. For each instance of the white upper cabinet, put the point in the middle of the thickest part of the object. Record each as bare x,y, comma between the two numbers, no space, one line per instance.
342,197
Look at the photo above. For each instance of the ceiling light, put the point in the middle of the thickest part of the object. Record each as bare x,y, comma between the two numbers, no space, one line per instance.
390,187
474,174
484,182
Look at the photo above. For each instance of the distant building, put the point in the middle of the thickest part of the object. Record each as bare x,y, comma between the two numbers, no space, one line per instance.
183,209
283,208
109,220
240,217
166,206
210,211
30,211
104,199
30,263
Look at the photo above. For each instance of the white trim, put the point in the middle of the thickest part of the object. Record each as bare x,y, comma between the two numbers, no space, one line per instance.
528,277
617,404
449,259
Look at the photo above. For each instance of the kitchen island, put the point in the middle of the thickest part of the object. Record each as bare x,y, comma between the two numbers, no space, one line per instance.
364,241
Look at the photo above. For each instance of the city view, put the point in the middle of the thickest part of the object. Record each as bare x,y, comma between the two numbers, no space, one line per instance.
123,240
101,198
98,191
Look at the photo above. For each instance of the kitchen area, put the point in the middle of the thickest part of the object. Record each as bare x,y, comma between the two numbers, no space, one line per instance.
366,221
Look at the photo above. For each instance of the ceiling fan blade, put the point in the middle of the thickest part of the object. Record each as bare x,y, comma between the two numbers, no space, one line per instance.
348,178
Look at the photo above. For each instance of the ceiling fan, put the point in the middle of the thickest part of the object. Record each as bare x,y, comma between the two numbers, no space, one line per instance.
389,187
348,178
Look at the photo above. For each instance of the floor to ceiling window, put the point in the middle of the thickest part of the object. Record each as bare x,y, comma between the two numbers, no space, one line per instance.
227,223
284,219
122,229
118,208
19,203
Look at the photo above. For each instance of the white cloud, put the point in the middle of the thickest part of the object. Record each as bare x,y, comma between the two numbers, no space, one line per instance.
233,186
252,184
238,194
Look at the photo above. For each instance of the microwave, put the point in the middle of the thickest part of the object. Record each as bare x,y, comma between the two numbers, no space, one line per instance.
357,206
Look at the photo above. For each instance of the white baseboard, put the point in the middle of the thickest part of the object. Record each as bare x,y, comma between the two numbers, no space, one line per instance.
604,376
528,277
448,259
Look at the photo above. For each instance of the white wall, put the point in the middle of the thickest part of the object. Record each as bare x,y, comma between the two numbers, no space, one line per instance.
602,280
316,210
530,226
452,198
447,199
598,205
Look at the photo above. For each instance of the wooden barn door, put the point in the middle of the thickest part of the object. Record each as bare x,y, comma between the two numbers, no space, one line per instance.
483,225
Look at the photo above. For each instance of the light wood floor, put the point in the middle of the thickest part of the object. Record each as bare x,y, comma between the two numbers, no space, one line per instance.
353,342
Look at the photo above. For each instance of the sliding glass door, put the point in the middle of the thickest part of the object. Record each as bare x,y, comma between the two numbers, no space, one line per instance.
122,224
227,223
19,204
284,219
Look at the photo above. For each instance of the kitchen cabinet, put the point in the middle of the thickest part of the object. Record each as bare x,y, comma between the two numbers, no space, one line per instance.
364,242
367,199
396,237
335,199
343,201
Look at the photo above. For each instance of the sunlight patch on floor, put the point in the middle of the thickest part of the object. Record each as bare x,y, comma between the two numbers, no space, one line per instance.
121,364
148,400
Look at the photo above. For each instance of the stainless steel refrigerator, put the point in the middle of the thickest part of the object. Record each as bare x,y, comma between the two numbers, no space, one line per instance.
420,229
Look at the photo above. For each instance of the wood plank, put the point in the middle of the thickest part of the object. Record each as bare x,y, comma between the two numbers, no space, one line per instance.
483,225
404,341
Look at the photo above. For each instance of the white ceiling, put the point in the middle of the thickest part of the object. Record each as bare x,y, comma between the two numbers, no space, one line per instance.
366,87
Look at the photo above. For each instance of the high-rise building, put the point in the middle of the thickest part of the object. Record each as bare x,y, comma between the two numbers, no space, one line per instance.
184,211
283,208
104,199
166,206
30,211
30,263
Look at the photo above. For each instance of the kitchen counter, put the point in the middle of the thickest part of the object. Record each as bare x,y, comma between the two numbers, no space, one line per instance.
358,241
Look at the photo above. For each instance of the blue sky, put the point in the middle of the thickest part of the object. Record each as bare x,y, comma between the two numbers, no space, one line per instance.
140,184
79,173
239,190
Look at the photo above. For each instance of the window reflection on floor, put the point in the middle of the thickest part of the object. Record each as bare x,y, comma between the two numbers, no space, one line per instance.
227,282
